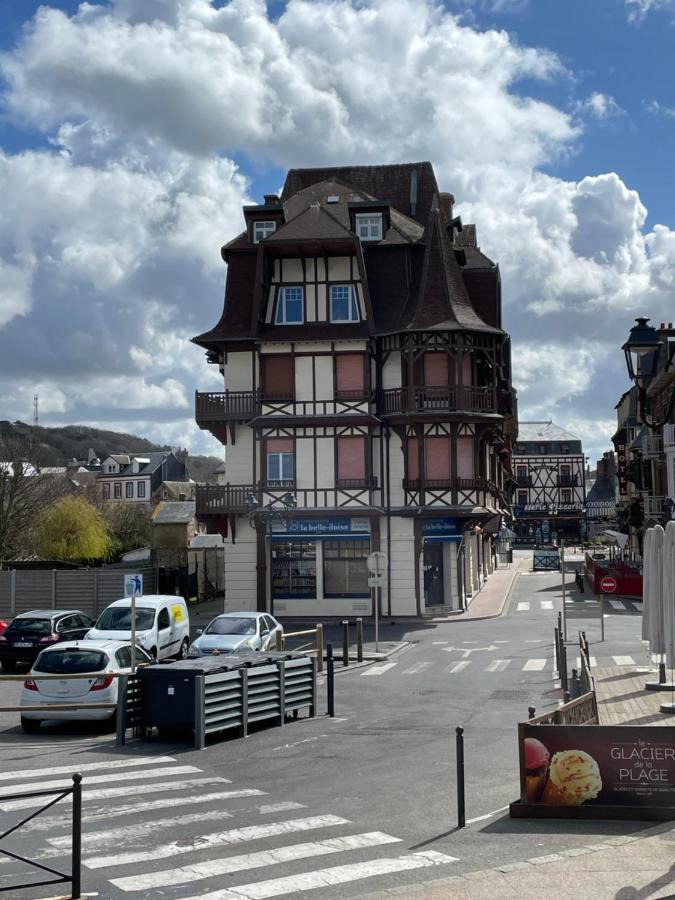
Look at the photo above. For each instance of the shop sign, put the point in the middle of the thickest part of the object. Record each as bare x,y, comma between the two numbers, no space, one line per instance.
580,767
442,526
334,525
622,470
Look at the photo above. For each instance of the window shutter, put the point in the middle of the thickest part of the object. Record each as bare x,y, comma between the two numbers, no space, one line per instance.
280,445
435,370
438,458
413,461
465,457
351,453
467,377
277,376
349,373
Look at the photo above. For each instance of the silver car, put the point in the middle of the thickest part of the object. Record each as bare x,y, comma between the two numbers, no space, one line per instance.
236,632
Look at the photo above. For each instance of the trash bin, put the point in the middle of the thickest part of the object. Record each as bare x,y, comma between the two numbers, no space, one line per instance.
169,689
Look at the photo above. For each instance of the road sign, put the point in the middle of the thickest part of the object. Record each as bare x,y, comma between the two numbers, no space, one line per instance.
133,584
375,581
377,562
608,585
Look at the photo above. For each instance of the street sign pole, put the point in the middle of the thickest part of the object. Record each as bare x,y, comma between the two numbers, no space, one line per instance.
377,565
133,632
564,594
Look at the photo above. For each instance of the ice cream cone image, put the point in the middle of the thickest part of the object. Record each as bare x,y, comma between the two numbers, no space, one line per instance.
573,778
534,785
536,768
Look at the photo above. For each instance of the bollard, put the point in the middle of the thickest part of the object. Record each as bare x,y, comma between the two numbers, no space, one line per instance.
345,642
76,851
319,647
566,696
556,648
575,679
531,712
279,640
461,814
359,640
662,673
563,671
330,681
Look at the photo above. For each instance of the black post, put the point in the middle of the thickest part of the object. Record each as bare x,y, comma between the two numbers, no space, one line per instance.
662,673
359,640
76,863
556,645
563,668
575,679
345,642
330,681
566,696
531,712
461,813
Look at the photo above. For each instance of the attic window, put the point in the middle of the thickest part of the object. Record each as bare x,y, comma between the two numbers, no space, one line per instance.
263,229
334,198
369,226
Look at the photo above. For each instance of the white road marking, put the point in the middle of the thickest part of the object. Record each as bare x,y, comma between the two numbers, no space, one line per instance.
534,665
487,815
118,776
624,660
501,642
217,839
546,604
617,604
533,640
86,767
417,667
379,670
107,793
498,665
322,878
458,666
593,662
231,864
523,607
440,642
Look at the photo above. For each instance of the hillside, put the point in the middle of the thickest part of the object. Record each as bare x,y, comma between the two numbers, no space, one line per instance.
56,446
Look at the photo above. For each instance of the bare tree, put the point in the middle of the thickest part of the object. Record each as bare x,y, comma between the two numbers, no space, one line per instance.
24,493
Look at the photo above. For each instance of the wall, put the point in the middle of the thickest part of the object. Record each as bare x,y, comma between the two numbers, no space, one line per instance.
240,569
239,372
402,563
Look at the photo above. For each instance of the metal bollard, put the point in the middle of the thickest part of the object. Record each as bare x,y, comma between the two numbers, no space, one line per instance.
563,670
566,696
76,851
556,647
330,681
359,640
319,647
461,812
575,679
662,673
279,640
345,642
531,712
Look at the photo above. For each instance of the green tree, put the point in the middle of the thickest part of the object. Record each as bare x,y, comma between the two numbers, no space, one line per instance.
72,528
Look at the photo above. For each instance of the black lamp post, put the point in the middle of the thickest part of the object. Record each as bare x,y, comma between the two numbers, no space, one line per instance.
642,351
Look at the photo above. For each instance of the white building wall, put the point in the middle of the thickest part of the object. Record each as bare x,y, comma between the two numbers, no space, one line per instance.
304,465
324,377
239,372
391,372
396,470
240,569
402,565
325,463
239,458
304,381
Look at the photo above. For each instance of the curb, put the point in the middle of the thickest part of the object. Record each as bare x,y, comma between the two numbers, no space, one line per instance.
495,615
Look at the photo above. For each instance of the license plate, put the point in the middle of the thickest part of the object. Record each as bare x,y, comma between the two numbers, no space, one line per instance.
63,687
22,644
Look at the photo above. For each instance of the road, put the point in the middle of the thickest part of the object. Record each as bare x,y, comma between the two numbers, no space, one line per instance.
327,808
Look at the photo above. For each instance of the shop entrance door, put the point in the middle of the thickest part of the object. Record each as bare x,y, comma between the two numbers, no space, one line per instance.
434,595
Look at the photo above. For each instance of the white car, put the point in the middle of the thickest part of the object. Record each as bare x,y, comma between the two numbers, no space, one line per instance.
69,658
162,624
234,632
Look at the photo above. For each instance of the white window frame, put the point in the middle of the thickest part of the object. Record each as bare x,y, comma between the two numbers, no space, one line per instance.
353,311
368,226
280,458
282,300
140,489
262,229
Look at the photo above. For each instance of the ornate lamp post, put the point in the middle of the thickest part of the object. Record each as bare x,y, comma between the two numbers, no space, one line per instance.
642,351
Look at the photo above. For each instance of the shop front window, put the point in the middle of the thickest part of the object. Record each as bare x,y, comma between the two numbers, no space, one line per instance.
345,573
293,570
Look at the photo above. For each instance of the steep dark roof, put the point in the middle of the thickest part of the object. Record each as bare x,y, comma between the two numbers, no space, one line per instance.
391,182
603,489
313,222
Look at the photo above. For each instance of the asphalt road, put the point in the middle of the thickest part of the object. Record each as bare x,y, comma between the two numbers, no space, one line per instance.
326,808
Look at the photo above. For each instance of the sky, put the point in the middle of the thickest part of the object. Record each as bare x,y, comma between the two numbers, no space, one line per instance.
133,131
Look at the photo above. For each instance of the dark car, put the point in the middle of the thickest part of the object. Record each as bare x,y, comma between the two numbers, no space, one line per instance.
31,632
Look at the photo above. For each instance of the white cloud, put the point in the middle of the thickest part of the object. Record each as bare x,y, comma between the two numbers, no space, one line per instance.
658,109
600,106
638,9
110,238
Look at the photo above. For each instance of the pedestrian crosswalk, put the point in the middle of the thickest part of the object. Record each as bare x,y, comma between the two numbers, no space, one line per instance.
620,606
497,666
175,843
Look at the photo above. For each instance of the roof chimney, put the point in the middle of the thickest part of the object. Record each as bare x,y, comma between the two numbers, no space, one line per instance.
413,192
271,200
446,202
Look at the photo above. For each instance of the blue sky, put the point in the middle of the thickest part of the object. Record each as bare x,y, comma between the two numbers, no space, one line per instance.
132,131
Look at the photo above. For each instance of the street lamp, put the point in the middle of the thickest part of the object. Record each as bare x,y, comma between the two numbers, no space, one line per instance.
642,351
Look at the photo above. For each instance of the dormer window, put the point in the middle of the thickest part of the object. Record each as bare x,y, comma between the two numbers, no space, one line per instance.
343,306
263,229
369,226
290,306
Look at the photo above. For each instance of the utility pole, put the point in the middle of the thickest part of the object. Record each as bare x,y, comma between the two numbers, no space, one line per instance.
35,410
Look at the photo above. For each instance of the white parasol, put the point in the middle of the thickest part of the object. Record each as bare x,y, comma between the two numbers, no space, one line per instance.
668,592
652,605
647,609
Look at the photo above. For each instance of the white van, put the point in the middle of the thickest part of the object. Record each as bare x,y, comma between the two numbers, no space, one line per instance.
162,625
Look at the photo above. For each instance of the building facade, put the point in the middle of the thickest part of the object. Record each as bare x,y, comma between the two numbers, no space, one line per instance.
139,478
367,378
550,473
601,497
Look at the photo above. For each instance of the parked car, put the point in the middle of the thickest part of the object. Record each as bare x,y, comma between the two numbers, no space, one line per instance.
162,625
31,632
90,657
237,631
3,626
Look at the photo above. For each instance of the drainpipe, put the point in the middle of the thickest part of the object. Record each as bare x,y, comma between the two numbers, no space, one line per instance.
388,513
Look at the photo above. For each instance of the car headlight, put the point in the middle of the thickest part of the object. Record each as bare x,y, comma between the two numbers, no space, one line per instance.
193,651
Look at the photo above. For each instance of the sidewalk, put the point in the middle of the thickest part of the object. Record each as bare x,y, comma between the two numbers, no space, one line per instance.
490,601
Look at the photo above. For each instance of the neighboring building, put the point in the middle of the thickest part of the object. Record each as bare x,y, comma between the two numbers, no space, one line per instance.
366,373
139,478
173,527
601,497
549,468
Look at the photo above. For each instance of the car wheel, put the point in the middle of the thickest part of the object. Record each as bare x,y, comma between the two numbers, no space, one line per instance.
8,665
30,726
184,647
153,652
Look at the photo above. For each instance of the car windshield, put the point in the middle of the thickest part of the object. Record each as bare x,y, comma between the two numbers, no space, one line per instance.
118,618
30,626
232,625
70,661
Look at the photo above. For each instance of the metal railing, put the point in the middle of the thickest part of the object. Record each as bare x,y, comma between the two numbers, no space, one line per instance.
220,406
668,436
318,647
437,399
654,506
652,446
581,711
75,877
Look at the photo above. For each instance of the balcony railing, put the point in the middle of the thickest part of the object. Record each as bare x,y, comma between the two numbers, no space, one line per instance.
220,499
652,446
224,406
455,398
668,437
446,484
228,499
659,507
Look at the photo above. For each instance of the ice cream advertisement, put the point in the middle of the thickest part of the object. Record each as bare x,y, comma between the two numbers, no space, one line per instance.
587,765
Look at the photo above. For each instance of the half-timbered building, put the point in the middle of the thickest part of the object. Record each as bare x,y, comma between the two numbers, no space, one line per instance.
366,372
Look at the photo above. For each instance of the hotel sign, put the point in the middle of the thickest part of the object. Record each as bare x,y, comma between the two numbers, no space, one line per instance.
622,470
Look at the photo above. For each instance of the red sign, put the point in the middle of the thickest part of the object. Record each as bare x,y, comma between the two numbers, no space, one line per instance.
608,585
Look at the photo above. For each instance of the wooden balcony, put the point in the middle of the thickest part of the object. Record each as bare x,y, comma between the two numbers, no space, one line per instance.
214,408
221,499
446,484
230,499
438,400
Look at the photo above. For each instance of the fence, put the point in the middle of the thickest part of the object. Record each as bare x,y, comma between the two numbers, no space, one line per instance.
88,590
76,850
318,632
581,711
